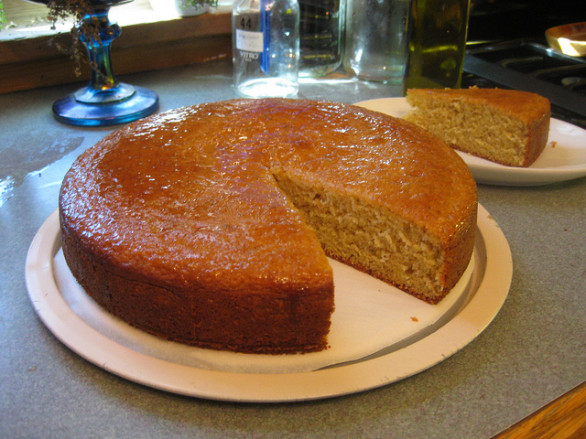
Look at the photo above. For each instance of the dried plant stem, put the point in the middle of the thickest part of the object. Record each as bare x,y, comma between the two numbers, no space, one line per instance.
87,26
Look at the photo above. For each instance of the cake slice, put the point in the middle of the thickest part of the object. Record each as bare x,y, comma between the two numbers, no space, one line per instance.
509,127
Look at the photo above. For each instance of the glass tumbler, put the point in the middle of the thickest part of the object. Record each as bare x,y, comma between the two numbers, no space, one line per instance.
376,39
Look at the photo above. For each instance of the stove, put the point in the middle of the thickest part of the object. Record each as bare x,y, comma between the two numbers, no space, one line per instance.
530,66
507,49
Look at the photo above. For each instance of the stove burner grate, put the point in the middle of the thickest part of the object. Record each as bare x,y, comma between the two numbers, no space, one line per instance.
529,66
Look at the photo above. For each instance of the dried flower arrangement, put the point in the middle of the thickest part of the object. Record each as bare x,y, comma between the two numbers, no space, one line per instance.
200,3
60,10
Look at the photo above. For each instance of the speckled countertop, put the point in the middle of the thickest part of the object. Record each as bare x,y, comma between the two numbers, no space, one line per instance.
534,350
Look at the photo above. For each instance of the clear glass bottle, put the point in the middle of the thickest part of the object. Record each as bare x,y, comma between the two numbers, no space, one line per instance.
321,36
437,43
266,48
376,39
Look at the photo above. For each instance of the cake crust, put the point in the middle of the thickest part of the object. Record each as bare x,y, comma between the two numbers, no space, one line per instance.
185,224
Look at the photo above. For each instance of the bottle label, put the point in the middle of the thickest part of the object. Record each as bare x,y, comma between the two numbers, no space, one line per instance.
249,41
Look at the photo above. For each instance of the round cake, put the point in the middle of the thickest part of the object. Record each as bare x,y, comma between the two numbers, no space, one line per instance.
211,225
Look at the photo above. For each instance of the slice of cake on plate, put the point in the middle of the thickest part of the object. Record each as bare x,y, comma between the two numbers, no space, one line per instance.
509,127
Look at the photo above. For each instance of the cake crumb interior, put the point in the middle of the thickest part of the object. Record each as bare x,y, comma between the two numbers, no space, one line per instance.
371,239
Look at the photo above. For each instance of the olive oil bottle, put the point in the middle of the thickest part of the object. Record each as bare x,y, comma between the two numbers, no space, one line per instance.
437,43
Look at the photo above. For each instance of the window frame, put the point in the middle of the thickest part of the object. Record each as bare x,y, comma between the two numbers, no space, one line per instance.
34,60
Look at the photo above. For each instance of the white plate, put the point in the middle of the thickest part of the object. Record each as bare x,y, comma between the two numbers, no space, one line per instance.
486,293
564,157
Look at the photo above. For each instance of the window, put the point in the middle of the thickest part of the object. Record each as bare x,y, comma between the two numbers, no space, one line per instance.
149,41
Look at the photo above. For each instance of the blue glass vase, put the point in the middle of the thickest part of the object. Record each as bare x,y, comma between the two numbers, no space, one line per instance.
104,101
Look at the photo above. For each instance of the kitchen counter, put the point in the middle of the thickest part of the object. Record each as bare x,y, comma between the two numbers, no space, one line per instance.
533,352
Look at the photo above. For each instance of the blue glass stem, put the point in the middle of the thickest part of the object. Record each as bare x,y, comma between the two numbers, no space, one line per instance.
103,86
104,101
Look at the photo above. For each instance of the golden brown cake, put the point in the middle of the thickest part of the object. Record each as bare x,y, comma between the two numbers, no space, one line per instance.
208,224
509,127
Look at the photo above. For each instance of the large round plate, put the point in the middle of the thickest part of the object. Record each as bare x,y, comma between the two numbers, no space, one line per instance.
564,157
489,285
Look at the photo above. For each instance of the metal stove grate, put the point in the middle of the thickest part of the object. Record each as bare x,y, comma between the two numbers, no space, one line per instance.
529,66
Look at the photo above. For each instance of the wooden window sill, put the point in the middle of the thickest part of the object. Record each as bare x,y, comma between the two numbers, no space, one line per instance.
33,61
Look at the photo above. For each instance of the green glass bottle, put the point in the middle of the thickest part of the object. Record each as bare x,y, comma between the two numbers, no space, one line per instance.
437,43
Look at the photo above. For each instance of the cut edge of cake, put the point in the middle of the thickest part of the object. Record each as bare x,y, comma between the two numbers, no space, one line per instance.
379,242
